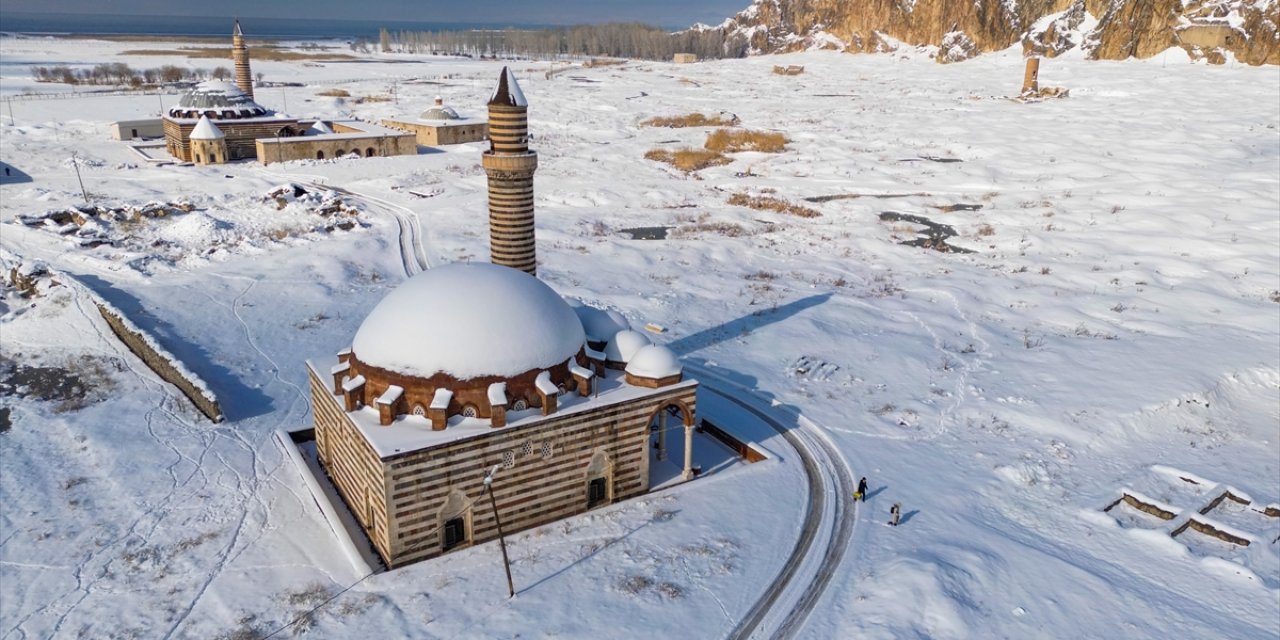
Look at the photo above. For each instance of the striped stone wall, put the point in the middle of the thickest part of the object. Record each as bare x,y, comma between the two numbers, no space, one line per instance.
545,471
241,136
352,464
537,488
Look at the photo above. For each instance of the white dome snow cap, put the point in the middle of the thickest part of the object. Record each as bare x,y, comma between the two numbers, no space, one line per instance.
467,321
624,345
600,325
655,362
206,130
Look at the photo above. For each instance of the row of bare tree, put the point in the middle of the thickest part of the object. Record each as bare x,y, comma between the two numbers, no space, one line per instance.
619,40
121,74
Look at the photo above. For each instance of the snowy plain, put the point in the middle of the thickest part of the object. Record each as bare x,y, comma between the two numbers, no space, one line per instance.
1119,315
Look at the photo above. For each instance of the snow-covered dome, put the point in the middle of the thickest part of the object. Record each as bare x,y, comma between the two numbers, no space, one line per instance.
439,112
624,345
217,99
206,130
601,325
655,362
468,321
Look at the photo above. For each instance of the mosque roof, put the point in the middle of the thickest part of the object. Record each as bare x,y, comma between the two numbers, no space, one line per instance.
469,320
221,98
654,361
624,345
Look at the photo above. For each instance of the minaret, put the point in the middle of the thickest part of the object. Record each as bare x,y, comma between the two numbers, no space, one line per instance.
240,54
510,165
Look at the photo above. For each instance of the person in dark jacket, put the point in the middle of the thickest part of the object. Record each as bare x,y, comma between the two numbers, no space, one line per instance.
861,493
895,512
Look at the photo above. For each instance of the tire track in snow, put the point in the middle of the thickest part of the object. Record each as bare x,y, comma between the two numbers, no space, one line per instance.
829,479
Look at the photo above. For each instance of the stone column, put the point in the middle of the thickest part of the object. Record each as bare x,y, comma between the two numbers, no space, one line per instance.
662,433
688,453
1031,77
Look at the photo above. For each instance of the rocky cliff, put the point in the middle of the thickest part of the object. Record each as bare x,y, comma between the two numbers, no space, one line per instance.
960,29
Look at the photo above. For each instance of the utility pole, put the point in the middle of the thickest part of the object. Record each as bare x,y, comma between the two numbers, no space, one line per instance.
488,486
76,164
9,101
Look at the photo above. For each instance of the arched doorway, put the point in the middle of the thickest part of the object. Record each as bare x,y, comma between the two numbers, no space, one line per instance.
368,153
599,480
673,415
454,521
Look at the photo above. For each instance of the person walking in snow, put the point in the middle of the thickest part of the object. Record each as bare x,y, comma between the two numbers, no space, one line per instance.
861,494
895,512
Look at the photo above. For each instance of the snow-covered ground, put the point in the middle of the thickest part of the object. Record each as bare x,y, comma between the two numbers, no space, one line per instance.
1119,315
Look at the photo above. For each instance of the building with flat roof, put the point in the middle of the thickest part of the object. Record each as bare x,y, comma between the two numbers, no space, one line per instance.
441,125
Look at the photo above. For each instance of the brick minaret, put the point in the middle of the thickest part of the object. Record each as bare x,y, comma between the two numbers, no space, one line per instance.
240,54
510,165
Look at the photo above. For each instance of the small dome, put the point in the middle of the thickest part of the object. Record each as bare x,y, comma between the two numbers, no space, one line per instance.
217,97
601,325
624,345
206,130
654,362
469,320
439,113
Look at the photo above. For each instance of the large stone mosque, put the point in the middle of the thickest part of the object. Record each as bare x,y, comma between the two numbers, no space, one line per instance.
469,367
218,121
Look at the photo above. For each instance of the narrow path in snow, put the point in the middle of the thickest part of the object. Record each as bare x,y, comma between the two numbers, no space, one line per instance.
827,517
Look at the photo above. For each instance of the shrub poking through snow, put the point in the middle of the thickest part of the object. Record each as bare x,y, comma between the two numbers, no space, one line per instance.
335,93
692,120
732,141
687,160
769,203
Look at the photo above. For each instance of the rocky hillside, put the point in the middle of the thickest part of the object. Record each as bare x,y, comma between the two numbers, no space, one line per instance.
1104,29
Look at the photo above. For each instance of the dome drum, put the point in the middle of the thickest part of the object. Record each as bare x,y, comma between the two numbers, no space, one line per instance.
470,397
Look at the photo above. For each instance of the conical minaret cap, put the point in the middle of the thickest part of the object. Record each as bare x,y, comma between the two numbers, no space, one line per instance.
508,92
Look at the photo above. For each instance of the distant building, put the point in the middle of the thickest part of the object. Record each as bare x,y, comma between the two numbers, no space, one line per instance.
239,118
441,125
248,128
473,366
684,58
208,144
137,129
322,139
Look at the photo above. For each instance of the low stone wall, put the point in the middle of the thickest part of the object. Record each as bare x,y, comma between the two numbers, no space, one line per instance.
743,449
161,361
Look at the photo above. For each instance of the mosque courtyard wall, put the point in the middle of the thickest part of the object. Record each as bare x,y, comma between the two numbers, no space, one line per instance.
441,134
270,149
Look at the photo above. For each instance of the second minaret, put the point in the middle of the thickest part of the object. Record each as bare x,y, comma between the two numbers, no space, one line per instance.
240,55
510,165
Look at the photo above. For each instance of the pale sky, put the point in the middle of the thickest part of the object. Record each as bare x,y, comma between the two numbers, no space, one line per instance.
662,12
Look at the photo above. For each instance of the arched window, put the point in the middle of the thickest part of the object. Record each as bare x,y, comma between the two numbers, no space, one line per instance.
470,411
320,155
520,405
339,154
419,410
454,518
